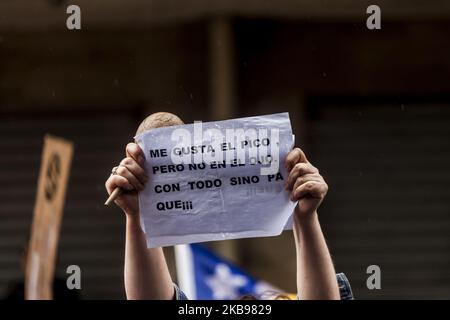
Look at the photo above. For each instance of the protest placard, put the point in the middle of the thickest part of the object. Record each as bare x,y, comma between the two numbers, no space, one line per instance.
48,209
216,180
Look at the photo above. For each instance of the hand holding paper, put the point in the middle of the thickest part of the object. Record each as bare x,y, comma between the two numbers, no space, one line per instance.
130,176
304,183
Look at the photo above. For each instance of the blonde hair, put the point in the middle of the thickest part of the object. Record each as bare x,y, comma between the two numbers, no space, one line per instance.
159,120
269,295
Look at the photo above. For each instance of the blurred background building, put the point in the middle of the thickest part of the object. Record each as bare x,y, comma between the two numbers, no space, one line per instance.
370,107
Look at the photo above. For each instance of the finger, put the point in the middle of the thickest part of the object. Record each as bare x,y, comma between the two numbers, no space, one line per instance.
134,151
306,178
124,172
115,181
299,169
135,169
312,188
294,156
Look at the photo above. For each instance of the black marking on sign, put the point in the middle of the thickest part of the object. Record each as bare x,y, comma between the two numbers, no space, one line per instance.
52,176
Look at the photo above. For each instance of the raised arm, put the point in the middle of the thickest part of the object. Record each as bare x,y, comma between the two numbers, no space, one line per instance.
316,277
145,272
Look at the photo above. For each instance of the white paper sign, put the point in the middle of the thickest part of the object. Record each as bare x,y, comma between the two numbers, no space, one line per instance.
216,180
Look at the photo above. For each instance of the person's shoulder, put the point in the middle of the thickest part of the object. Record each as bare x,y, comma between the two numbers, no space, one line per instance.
345,289
15,290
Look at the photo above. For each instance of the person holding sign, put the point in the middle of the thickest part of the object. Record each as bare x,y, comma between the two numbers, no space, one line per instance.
146,272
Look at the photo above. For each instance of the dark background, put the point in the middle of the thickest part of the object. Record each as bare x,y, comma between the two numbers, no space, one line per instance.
370,107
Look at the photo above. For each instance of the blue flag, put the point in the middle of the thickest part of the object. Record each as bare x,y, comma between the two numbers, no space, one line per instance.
206,276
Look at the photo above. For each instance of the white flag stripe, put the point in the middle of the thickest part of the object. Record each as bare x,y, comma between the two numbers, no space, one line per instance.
184,263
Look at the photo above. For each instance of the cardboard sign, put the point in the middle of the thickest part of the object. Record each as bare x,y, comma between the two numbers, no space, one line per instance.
216,180
48,210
